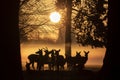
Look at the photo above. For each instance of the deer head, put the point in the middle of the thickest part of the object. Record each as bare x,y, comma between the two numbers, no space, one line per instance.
86,53
39,51
78,52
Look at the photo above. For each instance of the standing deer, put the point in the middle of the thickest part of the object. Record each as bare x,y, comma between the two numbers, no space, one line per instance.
59,61
35,58
72,61
83,60
47,59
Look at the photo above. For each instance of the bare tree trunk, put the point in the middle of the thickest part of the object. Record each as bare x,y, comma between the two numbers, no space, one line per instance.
68,29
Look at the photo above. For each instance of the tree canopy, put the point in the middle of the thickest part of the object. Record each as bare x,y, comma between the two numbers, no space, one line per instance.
89,22
89,19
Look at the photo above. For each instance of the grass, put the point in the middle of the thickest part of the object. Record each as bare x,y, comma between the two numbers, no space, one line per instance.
87,74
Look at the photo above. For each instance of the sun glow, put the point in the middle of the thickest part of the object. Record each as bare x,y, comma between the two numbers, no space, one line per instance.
55,17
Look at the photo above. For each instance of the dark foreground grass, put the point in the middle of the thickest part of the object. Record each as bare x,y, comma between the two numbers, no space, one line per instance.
59,75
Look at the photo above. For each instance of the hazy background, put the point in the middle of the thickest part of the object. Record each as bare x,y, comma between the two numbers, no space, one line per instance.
95,57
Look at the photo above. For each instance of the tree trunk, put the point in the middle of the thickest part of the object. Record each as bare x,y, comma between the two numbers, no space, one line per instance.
111,58
68,29
10,57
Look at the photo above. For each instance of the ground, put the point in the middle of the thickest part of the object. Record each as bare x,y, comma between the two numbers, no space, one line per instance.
60,75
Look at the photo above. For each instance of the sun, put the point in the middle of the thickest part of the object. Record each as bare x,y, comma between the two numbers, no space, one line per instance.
55,17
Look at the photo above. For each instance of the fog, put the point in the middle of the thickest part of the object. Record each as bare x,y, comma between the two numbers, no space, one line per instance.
95,57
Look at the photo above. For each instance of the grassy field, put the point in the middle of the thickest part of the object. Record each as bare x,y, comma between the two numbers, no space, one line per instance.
92,66
88,73
60,75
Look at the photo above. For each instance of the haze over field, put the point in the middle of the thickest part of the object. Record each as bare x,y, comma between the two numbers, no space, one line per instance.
95,57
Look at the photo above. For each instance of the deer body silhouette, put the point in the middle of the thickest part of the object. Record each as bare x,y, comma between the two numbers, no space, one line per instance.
35,58
59,60
82,61
78,61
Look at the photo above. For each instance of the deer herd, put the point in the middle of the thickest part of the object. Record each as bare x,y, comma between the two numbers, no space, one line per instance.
55,61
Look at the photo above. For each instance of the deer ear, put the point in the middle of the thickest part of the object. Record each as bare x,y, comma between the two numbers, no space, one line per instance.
88,51
76,52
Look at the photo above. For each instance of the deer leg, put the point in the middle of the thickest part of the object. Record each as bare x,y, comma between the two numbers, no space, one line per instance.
57,67
63,67
33,66
38,66
27,66
50,65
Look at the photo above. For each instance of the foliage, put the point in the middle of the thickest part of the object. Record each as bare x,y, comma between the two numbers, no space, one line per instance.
89,25
89,19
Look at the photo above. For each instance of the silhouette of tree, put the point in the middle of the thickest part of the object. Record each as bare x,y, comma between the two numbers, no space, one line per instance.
90,27
31,13
34,21
62,4
90,23
88,19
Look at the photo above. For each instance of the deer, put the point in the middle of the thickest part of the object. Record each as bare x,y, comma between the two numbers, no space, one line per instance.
83,60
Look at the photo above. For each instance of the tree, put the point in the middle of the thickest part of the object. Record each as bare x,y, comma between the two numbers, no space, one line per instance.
32,16
90,27
88,19
10,41
90,24
61,4
34,23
